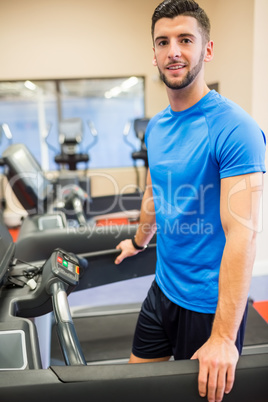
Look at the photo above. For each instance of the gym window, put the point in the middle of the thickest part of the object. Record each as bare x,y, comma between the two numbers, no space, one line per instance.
31,110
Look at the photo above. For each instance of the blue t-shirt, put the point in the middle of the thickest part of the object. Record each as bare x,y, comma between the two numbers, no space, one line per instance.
189,152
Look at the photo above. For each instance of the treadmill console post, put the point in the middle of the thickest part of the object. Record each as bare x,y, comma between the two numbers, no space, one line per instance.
60,275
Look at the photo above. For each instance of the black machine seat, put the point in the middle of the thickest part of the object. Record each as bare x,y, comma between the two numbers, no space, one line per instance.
71,160
141,155
140,126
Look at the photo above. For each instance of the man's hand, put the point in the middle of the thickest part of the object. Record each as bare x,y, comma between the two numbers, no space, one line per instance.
127,250
217,363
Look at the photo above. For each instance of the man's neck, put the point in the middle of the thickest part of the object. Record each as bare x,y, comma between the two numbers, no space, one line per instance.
182,99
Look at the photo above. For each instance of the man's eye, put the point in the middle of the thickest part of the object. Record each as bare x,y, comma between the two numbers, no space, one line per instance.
162,43
185,40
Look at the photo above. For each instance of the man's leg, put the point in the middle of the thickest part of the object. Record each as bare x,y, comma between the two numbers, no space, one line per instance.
150,343
135,359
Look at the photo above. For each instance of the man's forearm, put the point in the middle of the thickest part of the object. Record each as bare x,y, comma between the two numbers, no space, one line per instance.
147,225
145,231
234,282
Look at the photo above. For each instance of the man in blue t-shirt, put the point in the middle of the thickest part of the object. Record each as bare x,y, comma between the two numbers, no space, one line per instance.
206,162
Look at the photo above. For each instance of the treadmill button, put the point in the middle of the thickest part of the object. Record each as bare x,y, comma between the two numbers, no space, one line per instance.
59,259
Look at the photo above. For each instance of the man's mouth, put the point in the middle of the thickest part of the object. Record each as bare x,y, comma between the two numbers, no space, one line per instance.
176,66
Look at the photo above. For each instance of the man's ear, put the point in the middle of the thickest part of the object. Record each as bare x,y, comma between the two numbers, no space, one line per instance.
154,59
209,51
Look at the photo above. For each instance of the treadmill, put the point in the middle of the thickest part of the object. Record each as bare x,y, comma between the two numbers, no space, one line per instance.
28,291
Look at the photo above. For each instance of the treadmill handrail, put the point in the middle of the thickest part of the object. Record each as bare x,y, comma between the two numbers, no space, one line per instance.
68,339
100,253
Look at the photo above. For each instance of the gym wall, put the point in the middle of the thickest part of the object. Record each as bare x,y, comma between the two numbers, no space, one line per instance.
86,38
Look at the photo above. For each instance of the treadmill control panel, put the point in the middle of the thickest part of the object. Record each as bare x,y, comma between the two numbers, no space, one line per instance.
65,267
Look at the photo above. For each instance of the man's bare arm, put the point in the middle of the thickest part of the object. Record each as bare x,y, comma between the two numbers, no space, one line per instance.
146,228
240,199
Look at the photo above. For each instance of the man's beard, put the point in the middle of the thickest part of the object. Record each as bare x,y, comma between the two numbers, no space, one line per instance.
188,79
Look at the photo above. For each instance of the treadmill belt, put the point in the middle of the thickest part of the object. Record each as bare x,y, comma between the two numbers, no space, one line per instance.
109,337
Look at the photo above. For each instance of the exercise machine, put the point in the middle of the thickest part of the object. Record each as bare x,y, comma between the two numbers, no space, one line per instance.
63,214
35,192
139,126
70,138
28,291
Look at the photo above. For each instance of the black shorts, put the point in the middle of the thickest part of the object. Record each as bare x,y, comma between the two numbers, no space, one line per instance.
166,329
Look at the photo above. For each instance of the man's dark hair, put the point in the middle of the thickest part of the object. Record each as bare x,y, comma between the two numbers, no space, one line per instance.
173,8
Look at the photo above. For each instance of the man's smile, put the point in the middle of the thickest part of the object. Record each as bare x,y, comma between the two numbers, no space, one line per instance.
175,66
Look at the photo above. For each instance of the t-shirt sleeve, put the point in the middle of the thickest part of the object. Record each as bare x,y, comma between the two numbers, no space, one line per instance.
241,150
151,123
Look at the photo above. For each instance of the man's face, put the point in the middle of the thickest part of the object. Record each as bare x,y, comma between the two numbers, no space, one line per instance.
179,51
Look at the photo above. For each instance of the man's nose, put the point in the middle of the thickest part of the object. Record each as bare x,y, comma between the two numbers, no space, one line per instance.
174,50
